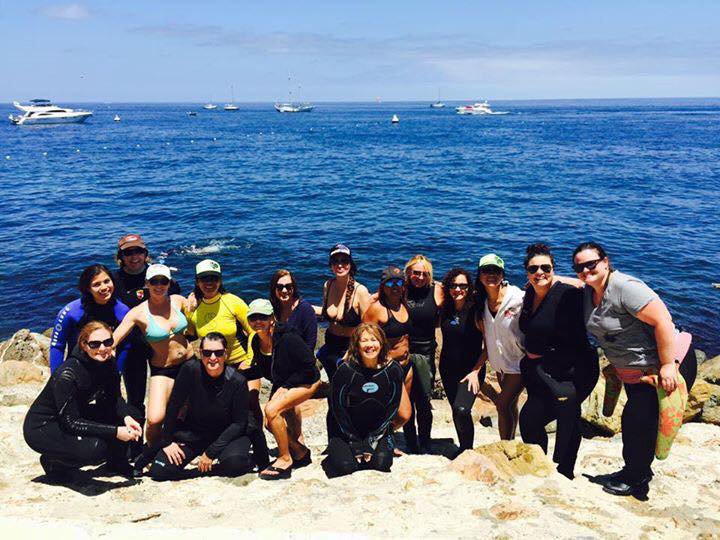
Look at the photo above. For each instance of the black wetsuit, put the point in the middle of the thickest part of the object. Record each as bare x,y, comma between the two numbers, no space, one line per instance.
216,422
461,348
64,425
363,402
130,289
559,381
293,363
424,316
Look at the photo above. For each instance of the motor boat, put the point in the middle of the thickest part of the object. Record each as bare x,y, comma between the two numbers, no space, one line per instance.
394,119
437,105
117,118
477,108
192,113
293,107
42,111
209,107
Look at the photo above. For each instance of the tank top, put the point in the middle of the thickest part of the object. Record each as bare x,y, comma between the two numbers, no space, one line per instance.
423,314
395,329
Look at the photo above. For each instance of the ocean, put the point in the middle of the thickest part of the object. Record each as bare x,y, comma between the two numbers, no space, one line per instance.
257,191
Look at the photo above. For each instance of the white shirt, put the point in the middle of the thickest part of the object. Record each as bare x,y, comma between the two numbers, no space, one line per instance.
503,338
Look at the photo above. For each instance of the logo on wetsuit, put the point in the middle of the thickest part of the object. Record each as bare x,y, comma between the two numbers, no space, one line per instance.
370,387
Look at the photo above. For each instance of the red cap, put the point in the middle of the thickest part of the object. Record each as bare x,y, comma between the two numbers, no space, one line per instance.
131,240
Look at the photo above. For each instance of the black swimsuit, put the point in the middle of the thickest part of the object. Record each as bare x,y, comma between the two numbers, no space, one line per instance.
395,329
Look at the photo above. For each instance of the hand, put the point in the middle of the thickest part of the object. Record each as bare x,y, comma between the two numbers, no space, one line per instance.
669,377
174,453
133,426
473,381
191,302
126,434
205,464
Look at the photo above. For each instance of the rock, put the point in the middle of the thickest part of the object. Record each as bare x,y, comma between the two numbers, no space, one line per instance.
710,370
14,372
592,409
502,461
700,356
26,346
711,412
702,392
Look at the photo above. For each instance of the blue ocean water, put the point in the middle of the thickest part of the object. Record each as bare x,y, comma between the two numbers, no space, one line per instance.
257,191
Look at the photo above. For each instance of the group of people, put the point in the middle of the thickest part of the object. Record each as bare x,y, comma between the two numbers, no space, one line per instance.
379,357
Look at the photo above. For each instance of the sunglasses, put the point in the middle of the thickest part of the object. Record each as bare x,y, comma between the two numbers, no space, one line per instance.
209,279
589,265
395,282
490,270
217,353
419,273
533,268
95,344
340,260
159,281
258,317
284,287
133,251
461,286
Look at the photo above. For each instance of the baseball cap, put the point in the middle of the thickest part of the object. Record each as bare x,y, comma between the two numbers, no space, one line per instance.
207,267
260,306
392,272
131,240
491,260
338,249
157,270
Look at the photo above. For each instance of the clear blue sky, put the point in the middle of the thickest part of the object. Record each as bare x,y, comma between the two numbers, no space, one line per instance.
356,50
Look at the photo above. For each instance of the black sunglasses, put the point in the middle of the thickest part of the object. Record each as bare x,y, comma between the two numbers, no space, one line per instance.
218,353
258,317
590,265
491,270
95,344
133,251
461,286
284,287
533,268
340,260
159,281
419,273
212,278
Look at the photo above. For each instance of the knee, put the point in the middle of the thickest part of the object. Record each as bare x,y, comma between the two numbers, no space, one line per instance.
154,420
344,466
162,470
461,410
235,465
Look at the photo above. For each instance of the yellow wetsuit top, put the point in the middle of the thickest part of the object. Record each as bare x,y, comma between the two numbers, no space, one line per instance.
219,314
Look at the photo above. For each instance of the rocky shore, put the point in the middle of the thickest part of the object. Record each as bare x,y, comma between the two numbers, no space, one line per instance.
497,490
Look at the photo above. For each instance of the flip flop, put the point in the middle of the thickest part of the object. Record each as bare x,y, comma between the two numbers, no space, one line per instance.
282,474
303,461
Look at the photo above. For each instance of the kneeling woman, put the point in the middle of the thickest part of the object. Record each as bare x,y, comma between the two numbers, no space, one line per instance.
216,421
162,322
65,427
295,379
369,401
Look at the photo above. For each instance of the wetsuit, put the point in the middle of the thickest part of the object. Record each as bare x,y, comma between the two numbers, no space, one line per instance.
364,402
559,381
73,317
303,320
461,348
424,316
130,289
74,420
216,422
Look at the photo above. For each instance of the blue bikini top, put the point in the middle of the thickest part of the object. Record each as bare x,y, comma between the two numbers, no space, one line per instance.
155,333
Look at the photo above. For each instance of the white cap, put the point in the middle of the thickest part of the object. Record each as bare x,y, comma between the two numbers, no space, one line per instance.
157,270
260,306
207,267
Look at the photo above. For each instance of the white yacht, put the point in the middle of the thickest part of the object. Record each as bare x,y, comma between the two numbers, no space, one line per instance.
42,111
293,107
117,118
231,106
439,104
477,108
209,106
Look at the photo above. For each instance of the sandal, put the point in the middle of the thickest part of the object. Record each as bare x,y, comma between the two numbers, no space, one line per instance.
282,474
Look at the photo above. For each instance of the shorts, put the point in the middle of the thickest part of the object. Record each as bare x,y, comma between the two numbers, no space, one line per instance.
170,371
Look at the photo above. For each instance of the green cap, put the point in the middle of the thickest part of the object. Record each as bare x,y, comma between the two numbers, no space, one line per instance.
491,260
207,267
260,306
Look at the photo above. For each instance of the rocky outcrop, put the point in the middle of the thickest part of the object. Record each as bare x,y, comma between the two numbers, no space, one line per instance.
592,410
502,461
26,346
710,370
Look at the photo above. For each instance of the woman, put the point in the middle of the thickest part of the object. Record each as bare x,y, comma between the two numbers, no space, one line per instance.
423,299
162,323
368,400
291,309
97,303
80,418
220,311
462,369
499,305
560,368
636,331
344,302
295,379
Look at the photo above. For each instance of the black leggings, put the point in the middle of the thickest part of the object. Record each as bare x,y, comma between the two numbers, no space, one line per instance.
234,460
423,380
640,422
135,375
461,399
341,459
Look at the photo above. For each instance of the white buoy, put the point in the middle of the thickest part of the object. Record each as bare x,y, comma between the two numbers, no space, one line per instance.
395,119
44,153
117,118
7,157
77,150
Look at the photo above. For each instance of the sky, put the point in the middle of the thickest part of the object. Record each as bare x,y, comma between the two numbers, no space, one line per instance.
396,50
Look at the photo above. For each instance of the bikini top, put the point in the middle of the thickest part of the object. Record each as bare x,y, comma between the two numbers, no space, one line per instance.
394,328
350,318
154,332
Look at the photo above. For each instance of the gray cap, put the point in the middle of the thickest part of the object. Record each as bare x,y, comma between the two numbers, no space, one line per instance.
260,306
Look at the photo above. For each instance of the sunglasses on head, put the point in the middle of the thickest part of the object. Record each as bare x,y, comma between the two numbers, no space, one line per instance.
533,268
397,282
258,317
419,273
95,344
590,265
284,287
217,353
159,281
461,286
133,251
212,278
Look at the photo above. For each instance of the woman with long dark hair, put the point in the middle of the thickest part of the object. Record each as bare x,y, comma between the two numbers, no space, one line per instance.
290,308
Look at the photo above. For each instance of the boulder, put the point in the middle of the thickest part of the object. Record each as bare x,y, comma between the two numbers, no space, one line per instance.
592,410
502,461
26,346
710,370
702,392
14,372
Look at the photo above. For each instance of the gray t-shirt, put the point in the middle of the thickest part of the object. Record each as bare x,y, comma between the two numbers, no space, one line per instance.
627,341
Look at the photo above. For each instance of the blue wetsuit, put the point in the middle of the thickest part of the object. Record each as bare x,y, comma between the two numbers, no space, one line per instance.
73,317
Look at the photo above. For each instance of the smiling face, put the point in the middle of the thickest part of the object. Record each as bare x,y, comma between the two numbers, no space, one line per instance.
491,276
369,348
158,285
590,267
419,275
340,264
101,288
260,323
459,288
98,345
284,289
209,284
213,357
134,259
540,271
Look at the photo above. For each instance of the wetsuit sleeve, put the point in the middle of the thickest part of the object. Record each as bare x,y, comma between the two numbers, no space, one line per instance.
239,415
178,397
65,395
302,361
121,310
339,388
65,323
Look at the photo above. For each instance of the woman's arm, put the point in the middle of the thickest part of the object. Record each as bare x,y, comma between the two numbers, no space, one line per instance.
372,313
656,314
363,299
319,309
126,325
65,396
64,325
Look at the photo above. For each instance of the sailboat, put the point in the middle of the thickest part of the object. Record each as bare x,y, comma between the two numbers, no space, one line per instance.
291,107
231,106
438,104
